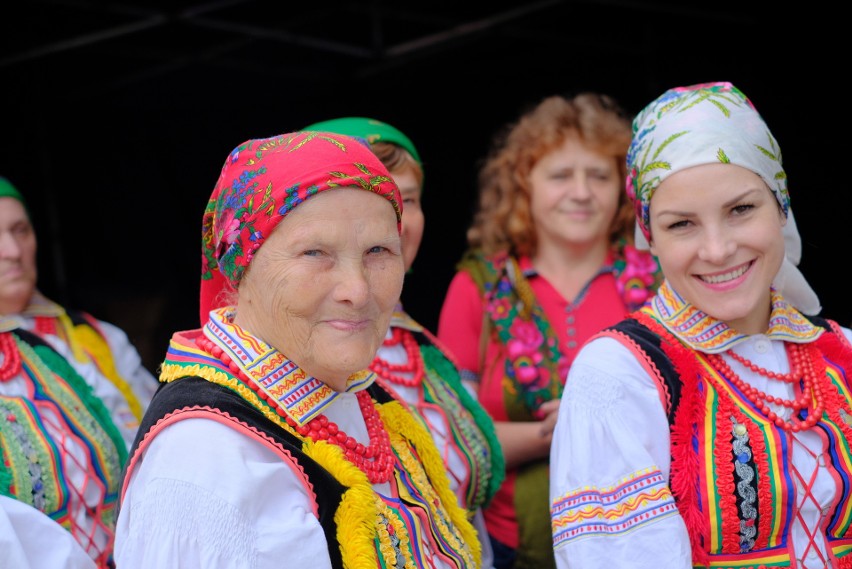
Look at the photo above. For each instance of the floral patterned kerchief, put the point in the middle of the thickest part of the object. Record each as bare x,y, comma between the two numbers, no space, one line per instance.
262,181
701,124
712,123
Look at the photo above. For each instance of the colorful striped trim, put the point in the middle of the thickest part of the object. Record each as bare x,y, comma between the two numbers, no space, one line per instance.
418,464
704,333
287,386
638,499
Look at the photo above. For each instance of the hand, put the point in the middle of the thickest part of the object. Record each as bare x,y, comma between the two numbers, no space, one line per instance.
548,411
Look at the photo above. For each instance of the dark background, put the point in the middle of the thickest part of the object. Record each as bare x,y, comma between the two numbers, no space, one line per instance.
117,116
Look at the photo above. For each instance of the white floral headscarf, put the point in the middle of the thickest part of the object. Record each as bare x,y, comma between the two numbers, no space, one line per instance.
711,123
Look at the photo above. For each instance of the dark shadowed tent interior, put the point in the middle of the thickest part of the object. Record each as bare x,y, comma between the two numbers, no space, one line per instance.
117,116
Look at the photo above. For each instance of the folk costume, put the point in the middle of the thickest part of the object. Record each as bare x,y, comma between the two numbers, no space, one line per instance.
414,367
682,442
530,335
62,452
245,460
100,352
67,423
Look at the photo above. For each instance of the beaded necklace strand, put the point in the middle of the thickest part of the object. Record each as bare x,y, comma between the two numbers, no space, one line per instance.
413,364
801,371
11,357
375,460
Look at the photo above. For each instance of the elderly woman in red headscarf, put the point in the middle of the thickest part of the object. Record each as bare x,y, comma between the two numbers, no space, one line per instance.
269,443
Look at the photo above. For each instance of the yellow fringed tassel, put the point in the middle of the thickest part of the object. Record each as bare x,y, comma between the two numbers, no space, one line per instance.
172,372
356,528
355,517
400,422
359,513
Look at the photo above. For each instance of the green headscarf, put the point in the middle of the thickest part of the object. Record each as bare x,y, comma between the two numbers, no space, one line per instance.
7,190
369,129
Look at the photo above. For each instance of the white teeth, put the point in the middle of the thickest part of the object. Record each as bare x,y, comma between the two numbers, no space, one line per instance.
715,279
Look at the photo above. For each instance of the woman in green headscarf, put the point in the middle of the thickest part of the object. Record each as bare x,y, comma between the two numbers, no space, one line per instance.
98,350
66,420
412,364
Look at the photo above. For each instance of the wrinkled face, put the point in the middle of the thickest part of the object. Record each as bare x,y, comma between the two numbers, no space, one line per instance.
413,221
17,257
575,194
322,287
717,232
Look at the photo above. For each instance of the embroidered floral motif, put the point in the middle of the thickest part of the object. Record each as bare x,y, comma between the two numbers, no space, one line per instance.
26,450
524,350
535,366
637,276
393,539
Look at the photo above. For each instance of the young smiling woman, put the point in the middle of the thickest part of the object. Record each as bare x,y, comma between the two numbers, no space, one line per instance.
711,427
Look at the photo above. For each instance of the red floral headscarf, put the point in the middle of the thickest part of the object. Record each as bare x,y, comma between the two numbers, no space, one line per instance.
261,182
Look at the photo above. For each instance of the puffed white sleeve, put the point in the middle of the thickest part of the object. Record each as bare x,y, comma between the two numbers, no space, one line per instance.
29,539
610,501
205,495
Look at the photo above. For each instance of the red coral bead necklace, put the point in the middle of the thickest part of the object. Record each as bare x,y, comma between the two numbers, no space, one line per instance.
11,357
375,460
413,364
801,370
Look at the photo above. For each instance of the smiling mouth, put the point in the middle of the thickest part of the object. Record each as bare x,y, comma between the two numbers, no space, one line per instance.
348,325
725,277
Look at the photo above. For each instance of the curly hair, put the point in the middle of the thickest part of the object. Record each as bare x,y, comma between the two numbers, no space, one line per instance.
503,220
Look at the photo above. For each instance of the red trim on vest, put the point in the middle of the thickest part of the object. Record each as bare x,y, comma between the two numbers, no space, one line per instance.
645,360
210,413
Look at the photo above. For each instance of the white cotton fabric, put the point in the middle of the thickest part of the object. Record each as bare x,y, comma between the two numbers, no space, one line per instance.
206,496
612,423
31,540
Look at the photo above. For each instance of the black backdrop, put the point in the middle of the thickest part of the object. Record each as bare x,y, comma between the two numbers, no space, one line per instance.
117,143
